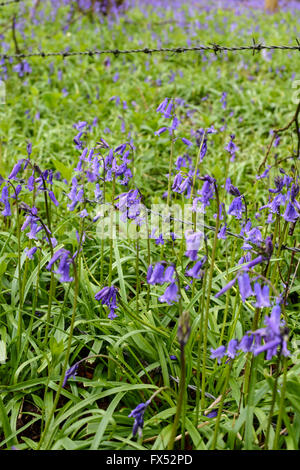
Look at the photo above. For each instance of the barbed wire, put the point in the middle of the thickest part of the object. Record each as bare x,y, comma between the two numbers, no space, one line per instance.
8,2
214,48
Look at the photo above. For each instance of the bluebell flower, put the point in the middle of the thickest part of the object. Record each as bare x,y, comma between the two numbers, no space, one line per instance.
231,147
196,271
65,261
170,294
212,414
262,295
236,208
70,373
53,198
169,273
270,339
5,200
246,343
108,296
226,288
30,183
186,141
29,148
30,252
274,335
290,214
193,240
232,348
16,169
218,353
160,240
250,264
138,415
177,182
222,232
245,286
223,100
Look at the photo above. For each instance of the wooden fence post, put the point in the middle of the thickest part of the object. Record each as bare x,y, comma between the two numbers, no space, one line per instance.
271,5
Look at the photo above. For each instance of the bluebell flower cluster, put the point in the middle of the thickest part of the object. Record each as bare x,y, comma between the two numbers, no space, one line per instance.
161,274
108,296
272,339
285,202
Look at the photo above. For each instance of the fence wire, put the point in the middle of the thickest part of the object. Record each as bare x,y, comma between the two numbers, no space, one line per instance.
212,48
3,4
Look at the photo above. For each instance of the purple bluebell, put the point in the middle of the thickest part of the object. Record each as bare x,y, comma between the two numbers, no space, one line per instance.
232,348
16,169
186,141
264,174
171,294
223,100
218,353
236,208
29,148
156,275
201,140
226,288
274,335
262,295
162,106
250,264
65,261
169,273
53,198
138,415
222,232
231,147
234,191
246,342
30,183
70,373
245,286
5,200
290,214
271,339
108,296
196,271
227,184
30,252
177,182
161,130
193,240
279,183
212,414
160,240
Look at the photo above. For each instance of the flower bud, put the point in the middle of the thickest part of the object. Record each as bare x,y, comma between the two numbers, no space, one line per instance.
184,328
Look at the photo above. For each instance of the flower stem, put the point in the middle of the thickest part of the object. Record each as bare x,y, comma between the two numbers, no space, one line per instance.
205,328
65,365
214,442
180,398
274,393
281,405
